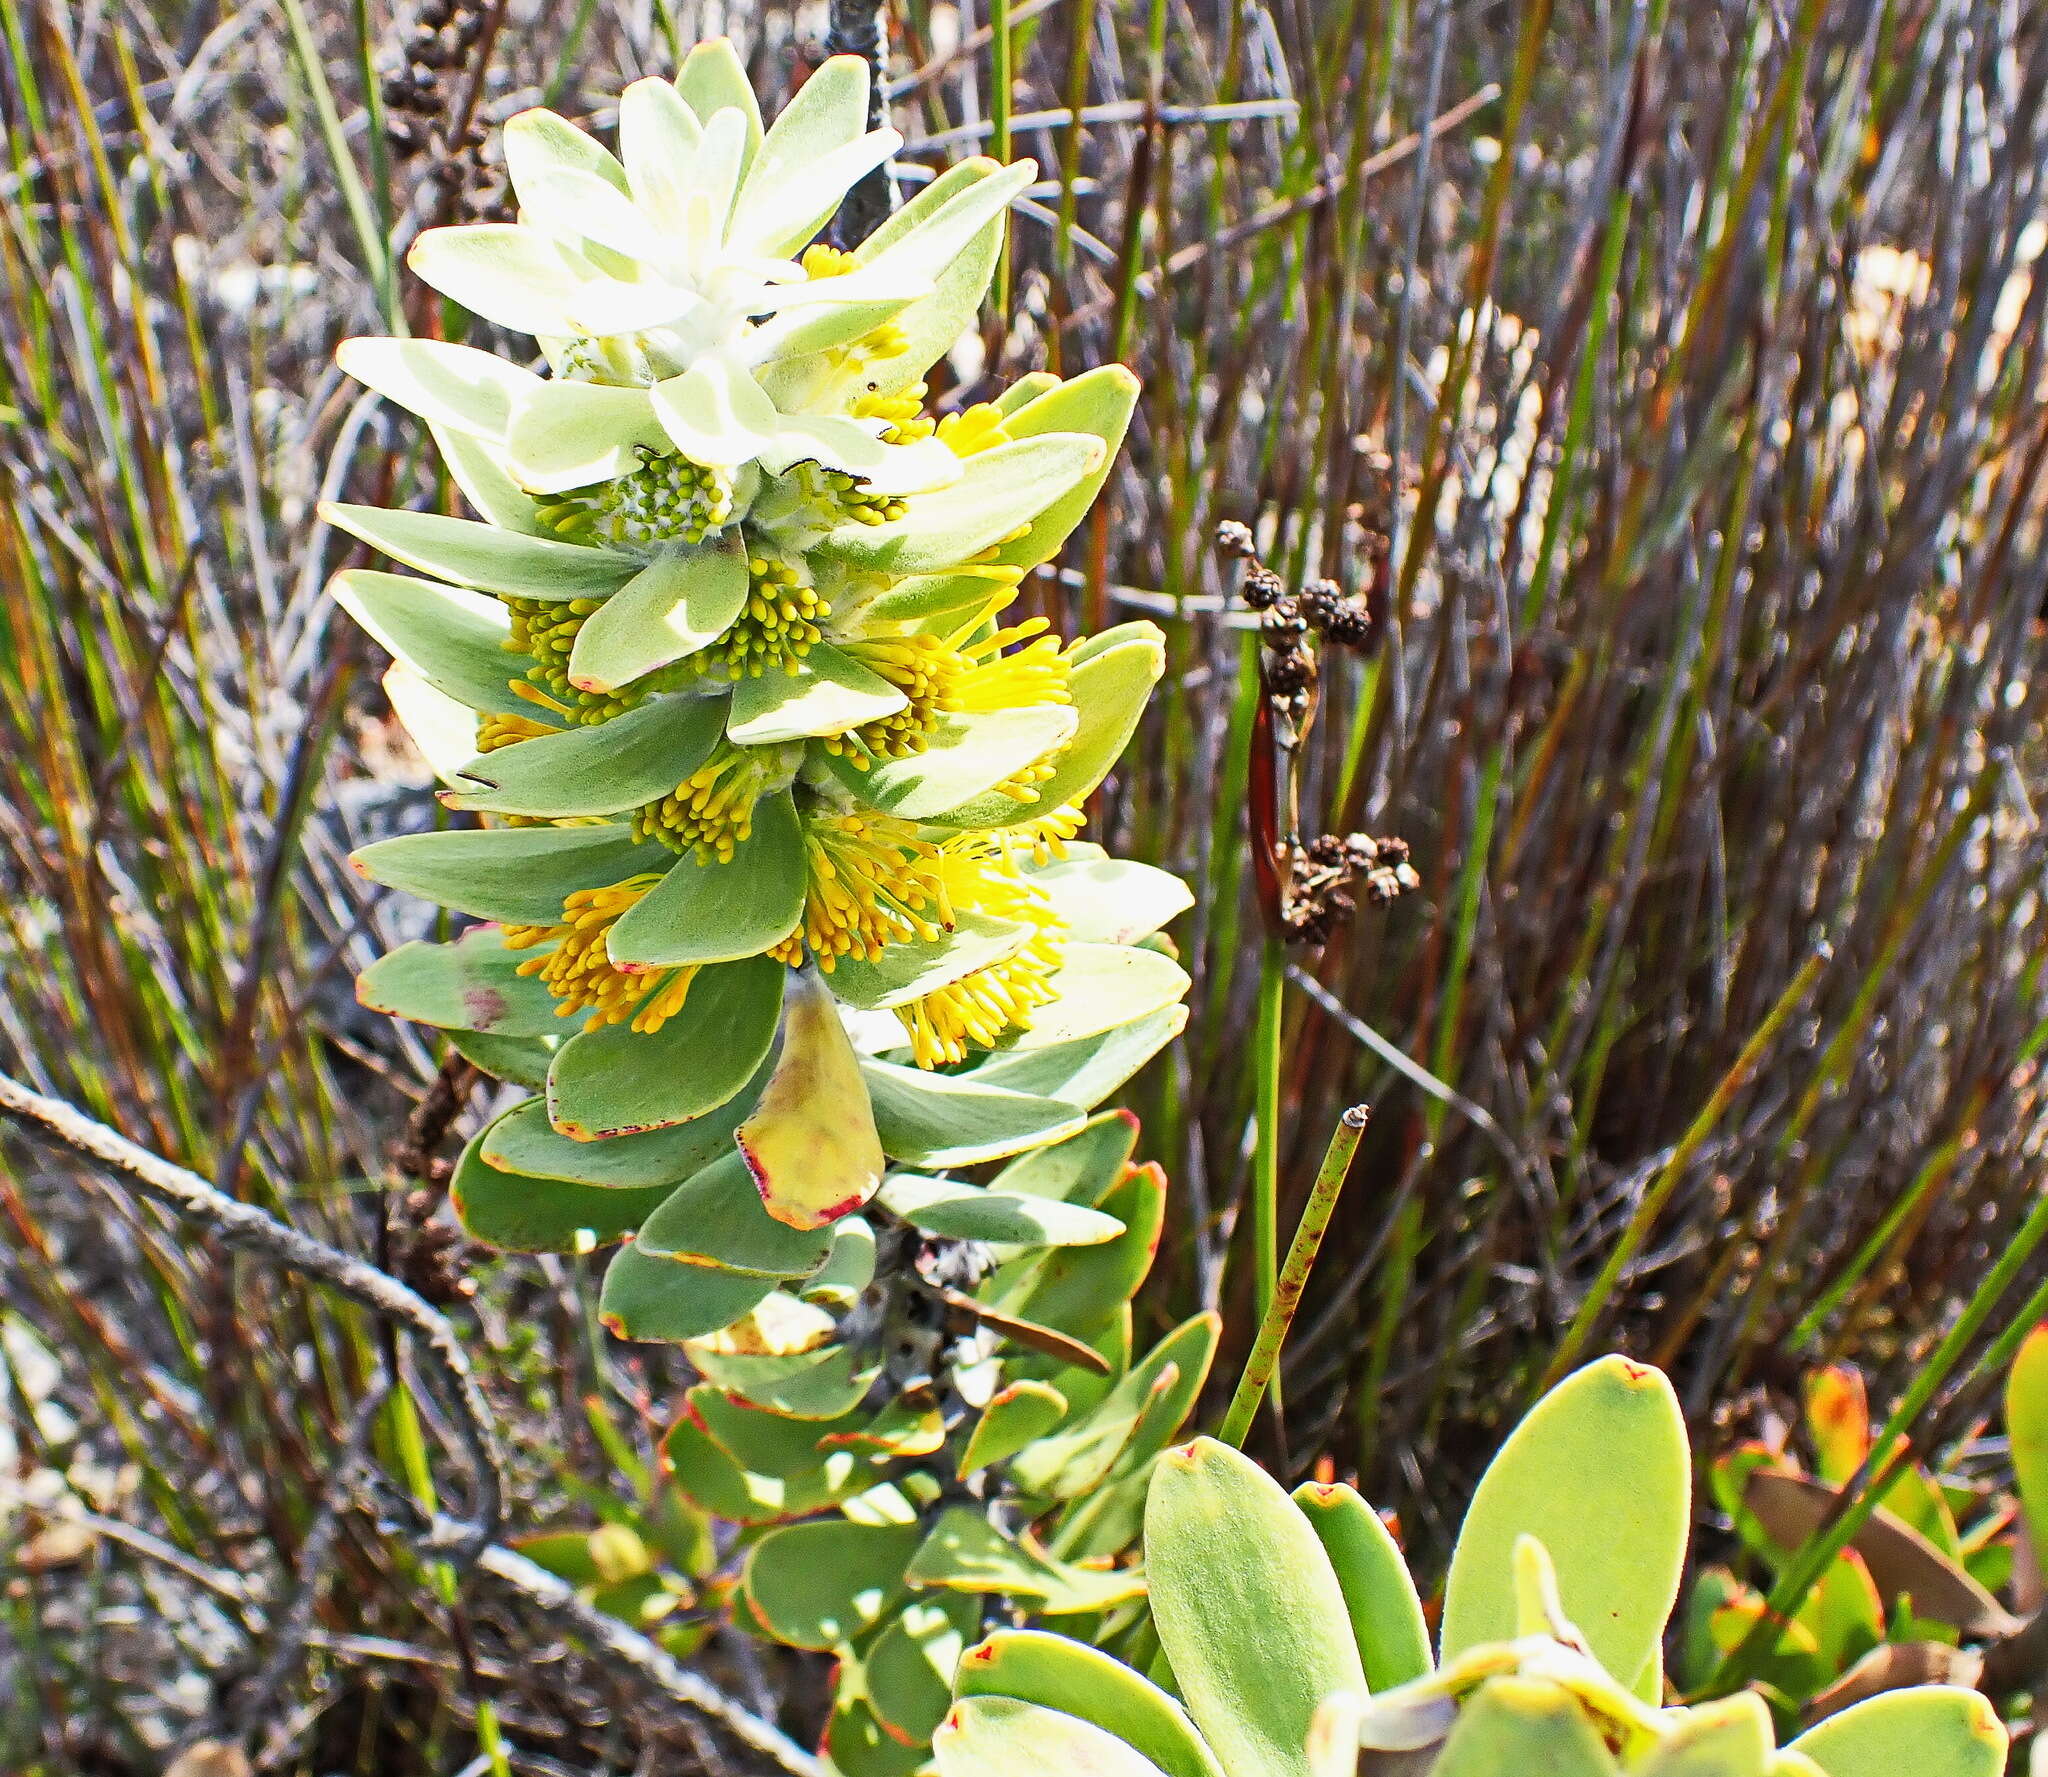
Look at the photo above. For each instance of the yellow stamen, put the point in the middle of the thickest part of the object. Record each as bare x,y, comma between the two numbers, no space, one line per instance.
872,882
980,870
495,729
712,810
779,626
903,413
578,969
974,429
545,630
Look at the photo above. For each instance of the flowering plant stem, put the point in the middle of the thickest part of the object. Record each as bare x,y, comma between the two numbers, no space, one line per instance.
1301,1258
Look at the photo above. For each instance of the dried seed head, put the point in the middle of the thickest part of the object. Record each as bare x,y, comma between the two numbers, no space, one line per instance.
1235,540
1349,626
1263,588
1283,626
1288,674
1320,601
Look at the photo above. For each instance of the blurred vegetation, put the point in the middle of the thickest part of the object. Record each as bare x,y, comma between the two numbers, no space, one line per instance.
1667,379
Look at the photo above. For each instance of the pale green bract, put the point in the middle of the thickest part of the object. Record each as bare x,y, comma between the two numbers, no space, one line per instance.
778,813
1271,1611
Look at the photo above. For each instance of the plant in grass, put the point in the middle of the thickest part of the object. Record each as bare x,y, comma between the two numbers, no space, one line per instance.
1293,1643
779,855
1940,1582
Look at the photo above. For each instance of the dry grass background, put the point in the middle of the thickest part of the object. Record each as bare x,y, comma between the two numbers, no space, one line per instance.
1667,374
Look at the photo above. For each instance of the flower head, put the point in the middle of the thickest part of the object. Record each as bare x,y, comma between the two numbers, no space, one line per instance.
778,805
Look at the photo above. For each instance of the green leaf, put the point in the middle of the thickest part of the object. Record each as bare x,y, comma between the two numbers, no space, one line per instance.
1522,1724
925,596
859,1746
521,1214
1110,678
682,601
1101,987
617,1081
634,758
1131,1424
1929,1730
716,1219
2026,1424
713,79
1003,1737
567,435
1112,900
958,1211
927,1119
472,984
481,555
812,1385
523,1061
848,1269
1600,1474
969,1212
966,757
810,1141
1031,1666
918,966
517,277
1386,1614
999,490
1083,1168
807,160
459,387
1248,1610
1015,1416
523,1140
827,694
911,1663
479,469
820,1585
1731,1737
713,912
966,1553
714,1480
768,1444
444,731
1085,1072
955,223
520,875
1099,402
1074,1287
453,639
1187,1352
665,1301
537,142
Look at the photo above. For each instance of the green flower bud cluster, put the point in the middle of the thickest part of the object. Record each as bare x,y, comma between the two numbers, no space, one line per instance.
1297,1645
779,860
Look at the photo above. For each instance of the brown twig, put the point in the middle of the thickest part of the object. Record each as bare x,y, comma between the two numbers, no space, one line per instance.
243,1224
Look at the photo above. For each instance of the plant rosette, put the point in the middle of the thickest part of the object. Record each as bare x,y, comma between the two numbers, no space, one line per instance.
1296,1645
777,863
